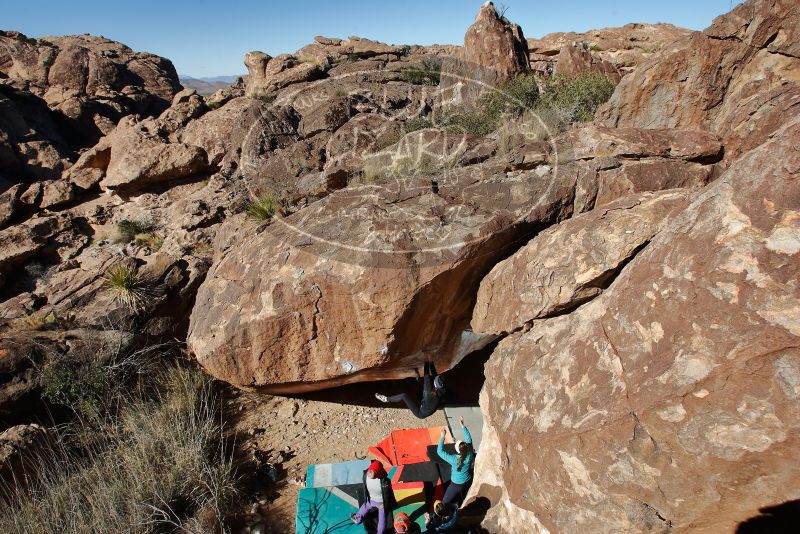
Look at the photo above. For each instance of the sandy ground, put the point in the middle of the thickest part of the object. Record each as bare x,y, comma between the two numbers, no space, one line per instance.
294,432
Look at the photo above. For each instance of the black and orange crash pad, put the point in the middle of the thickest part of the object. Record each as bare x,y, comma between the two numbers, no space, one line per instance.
403,447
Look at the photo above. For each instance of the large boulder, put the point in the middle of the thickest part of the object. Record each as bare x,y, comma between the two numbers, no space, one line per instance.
146,161
577,59
352,49
668,403
143,153
737,78
366,283
494,51
34,141
268,74
89,79
565,266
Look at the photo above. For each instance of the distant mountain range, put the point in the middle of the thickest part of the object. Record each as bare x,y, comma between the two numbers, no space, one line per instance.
206,86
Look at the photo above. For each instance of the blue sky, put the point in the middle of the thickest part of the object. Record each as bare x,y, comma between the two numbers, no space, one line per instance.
205,38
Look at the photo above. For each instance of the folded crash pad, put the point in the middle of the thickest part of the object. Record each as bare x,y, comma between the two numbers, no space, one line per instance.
403,447
336,474
411,446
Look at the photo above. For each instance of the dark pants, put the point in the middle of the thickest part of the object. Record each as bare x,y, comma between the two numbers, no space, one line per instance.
429,404
410,401
453,493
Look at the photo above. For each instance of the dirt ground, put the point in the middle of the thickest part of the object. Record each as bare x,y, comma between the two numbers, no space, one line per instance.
292,433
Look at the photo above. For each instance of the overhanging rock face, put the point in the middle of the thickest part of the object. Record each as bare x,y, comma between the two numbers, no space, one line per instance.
367,283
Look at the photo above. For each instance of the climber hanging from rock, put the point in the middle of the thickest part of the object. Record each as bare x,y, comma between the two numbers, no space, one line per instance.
432,394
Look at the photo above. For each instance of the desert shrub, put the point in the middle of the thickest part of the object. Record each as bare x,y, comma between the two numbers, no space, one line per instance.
346,58
201,249
468,121
129,285
428,73
576,97
213,105
508,100
128,229
150,240
161,463
556,100
86,388
511,98
403,165
268,98
539,124
36,322
262,207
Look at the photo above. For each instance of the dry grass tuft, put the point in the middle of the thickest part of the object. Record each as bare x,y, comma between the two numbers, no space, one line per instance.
262,207
130,286
157,466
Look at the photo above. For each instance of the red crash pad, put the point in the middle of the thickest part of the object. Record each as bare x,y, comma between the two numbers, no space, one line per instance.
408,446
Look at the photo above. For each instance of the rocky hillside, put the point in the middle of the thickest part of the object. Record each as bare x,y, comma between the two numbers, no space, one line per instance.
356,208
614,51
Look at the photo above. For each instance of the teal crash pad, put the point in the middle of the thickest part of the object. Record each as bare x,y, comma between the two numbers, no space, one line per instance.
327,510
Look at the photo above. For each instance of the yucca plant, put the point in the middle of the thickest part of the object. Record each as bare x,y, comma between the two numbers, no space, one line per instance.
129,285
262,207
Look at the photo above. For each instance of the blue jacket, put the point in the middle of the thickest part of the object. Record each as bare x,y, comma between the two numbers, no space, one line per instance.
463,475
438,526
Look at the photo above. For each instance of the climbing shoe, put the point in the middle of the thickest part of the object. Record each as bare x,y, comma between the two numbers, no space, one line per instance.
381,398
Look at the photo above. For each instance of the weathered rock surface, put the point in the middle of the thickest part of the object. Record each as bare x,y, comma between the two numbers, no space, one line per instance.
565,266
89,79
268,74
18,445
623,48
649,408
34,144
494,51
576,59
366,283
639,276
615,162
326,49
137,154
146,161
738,78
